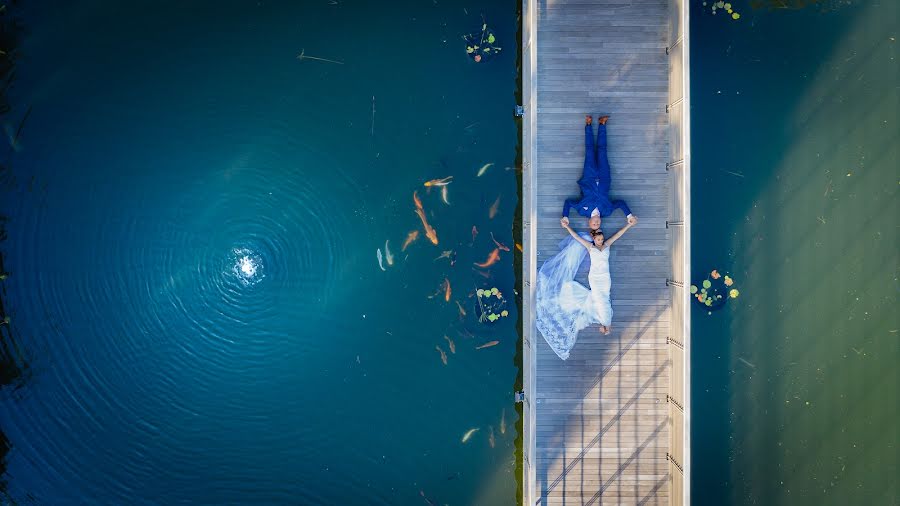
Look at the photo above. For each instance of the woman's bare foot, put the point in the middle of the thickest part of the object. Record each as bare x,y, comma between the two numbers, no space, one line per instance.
604,330
588,119
602,119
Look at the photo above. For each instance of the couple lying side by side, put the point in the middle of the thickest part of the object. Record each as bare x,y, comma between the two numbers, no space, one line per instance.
564,306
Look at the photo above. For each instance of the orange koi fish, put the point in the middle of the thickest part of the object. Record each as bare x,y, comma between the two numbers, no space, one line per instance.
444,195
487,345
491,259
443,354
447,290
500,245
519,247
462,312
451,344
410,238
494,208
440,182
429,231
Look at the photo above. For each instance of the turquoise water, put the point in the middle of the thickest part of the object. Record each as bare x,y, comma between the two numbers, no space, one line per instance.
794,193
197,313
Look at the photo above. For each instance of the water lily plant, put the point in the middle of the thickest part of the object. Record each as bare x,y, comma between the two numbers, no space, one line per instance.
481,45
714,291
491,305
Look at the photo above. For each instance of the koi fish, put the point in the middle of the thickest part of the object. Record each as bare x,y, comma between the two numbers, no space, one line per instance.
378,255
491,259
429,232
444,195
484,169
447,290
440,182
503,422
469,433
500,245
474,233
487,345
410,238
494,208
491,440
387,253
462,312
444,254
519,247
417,201
485,275
451,344
428,501
443,354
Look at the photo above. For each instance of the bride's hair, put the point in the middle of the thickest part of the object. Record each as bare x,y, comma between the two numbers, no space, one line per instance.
595,233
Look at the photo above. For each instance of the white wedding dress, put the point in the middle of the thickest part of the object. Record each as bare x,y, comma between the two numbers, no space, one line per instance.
564,306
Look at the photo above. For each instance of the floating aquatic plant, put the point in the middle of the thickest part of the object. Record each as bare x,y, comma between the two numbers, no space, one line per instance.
723,6
481,45
491,305
713,292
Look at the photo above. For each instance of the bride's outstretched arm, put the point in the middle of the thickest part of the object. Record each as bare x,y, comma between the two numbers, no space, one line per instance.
615,237
565,224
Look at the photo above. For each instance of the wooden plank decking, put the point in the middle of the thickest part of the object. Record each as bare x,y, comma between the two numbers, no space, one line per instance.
601,418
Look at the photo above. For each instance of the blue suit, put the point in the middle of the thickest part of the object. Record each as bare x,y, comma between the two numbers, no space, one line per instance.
595,179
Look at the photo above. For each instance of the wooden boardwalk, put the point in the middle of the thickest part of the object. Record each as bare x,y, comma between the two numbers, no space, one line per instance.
602,425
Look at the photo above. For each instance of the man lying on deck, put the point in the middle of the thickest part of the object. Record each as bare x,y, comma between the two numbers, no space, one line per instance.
595,181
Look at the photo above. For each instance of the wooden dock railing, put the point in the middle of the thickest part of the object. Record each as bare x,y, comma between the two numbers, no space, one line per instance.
613,421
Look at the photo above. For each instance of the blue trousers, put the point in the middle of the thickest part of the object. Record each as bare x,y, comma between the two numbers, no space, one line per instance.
595,178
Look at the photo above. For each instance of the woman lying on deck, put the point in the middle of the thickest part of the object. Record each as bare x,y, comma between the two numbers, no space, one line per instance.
563,305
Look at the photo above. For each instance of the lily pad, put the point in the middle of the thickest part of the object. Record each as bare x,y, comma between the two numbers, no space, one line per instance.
735,16
494,291
733,293
693,288
707,283
728,281
504,313
491,39
479,292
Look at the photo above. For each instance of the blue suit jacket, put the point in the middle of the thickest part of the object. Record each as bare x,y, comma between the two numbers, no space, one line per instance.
588,202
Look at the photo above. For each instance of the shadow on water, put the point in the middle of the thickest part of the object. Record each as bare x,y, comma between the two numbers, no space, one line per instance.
789,381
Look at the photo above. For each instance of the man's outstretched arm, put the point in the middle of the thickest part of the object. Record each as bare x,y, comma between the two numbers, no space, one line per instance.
620,204
570,203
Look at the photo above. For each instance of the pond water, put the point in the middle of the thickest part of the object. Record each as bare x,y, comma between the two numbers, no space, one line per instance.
193,216
795,135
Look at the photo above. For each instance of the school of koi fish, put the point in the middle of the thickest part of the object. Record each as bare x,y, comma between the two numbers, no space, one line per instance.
444,291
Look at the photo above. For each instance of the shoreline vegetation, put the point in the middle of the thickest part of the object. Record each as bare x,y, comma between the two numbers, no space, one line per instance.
13,365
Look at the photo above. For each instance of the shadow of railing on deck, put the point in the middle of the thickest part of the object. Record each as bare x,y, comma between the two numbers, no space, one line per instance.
585,387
